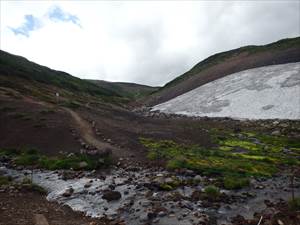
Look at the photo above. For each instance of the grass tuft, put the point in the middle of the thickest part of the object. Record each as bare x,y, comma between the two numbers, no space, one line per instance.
235,182
212,192
34,158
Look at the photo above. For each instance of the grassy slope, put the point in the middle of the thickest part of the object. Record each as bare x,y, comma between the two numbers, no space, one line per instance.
270,54
17,66
130,90
220,57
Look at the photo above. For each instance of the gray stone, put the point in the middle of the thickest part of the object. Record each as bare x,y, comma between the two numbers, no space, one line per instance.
197,178
276,133
83,165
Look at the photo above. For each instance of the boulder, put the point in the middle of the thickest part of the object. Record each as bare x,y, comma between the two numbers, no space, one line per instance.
87,185
111,196
68,192
83,165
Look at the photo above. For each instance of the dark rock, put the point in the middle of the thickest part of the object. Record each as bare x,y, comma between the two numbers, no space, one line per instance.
111,195
87,185
68,192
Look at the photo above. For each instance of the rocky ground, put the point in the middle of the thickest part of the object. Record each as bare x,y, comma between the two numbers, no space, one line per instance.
19,207
136,189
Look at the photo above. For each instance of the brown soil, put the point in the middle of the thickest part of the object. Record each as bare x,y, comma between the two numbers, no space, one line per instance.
20,208
28,124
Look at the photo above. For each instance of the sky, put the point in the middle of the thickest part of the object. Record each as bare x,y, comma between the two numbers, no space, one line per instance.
147,42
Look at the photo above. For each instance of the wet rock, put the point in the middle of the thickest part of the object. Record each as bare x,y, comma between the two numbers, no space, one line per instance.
169,180
259,187
239,220
280,222
145,203
203,219
87,185
162,214
111,196
67,175
186,204
189,172
151,215
156,220
112,186
68,192
143,217
159,180
284,125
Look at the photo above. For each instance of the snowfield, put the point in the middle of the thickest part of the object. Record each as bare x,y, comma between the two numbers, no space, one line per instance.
270,92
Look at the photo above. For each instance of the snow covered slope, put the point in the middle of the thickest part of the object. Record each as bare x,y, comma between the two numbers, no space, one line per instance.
262,93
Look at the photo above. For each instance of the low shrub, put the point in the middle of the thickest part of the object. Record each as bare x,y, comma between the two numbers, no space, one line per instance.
32,157
4,180
212,191
235,182
294,204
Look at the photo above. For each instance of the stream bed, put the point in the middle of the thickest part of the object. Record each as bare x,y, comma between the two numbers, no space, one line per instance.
139,201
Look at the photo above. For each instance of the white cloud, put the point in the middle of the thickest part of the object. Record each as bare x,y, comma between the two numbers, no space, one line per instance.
140,41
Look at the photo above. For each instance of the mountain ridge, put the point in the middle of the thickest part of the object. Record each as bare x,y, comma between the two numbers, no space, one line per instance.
17,72
225,63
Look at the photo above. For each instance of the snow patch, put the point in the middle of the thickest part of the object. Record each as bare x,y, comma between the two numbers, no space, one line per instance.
270,92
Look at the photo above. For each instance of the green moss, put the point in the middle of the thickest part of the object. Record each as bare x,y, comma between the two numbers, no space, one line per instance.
258,159
166,187
226,148
246,154
279,141
249,134
177,162
241,143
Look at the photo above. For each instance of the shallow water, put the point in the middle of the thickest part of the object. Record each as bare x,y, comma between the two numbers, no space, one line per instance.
135,203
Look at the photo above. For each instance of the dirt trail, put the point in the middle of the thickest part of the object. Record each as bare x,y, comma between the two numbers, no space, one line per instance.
84,128
87,133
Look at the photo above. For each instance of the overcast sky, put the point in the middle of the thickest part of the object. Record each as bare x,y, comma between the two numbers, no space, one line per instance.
139,41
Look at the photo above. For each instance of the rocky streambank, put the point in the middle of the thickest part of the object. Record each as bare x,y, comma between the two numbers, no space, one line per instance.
155,196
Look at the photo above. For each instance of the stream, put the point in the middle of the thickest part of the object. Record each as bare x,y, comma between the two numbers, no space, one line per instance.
140,202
